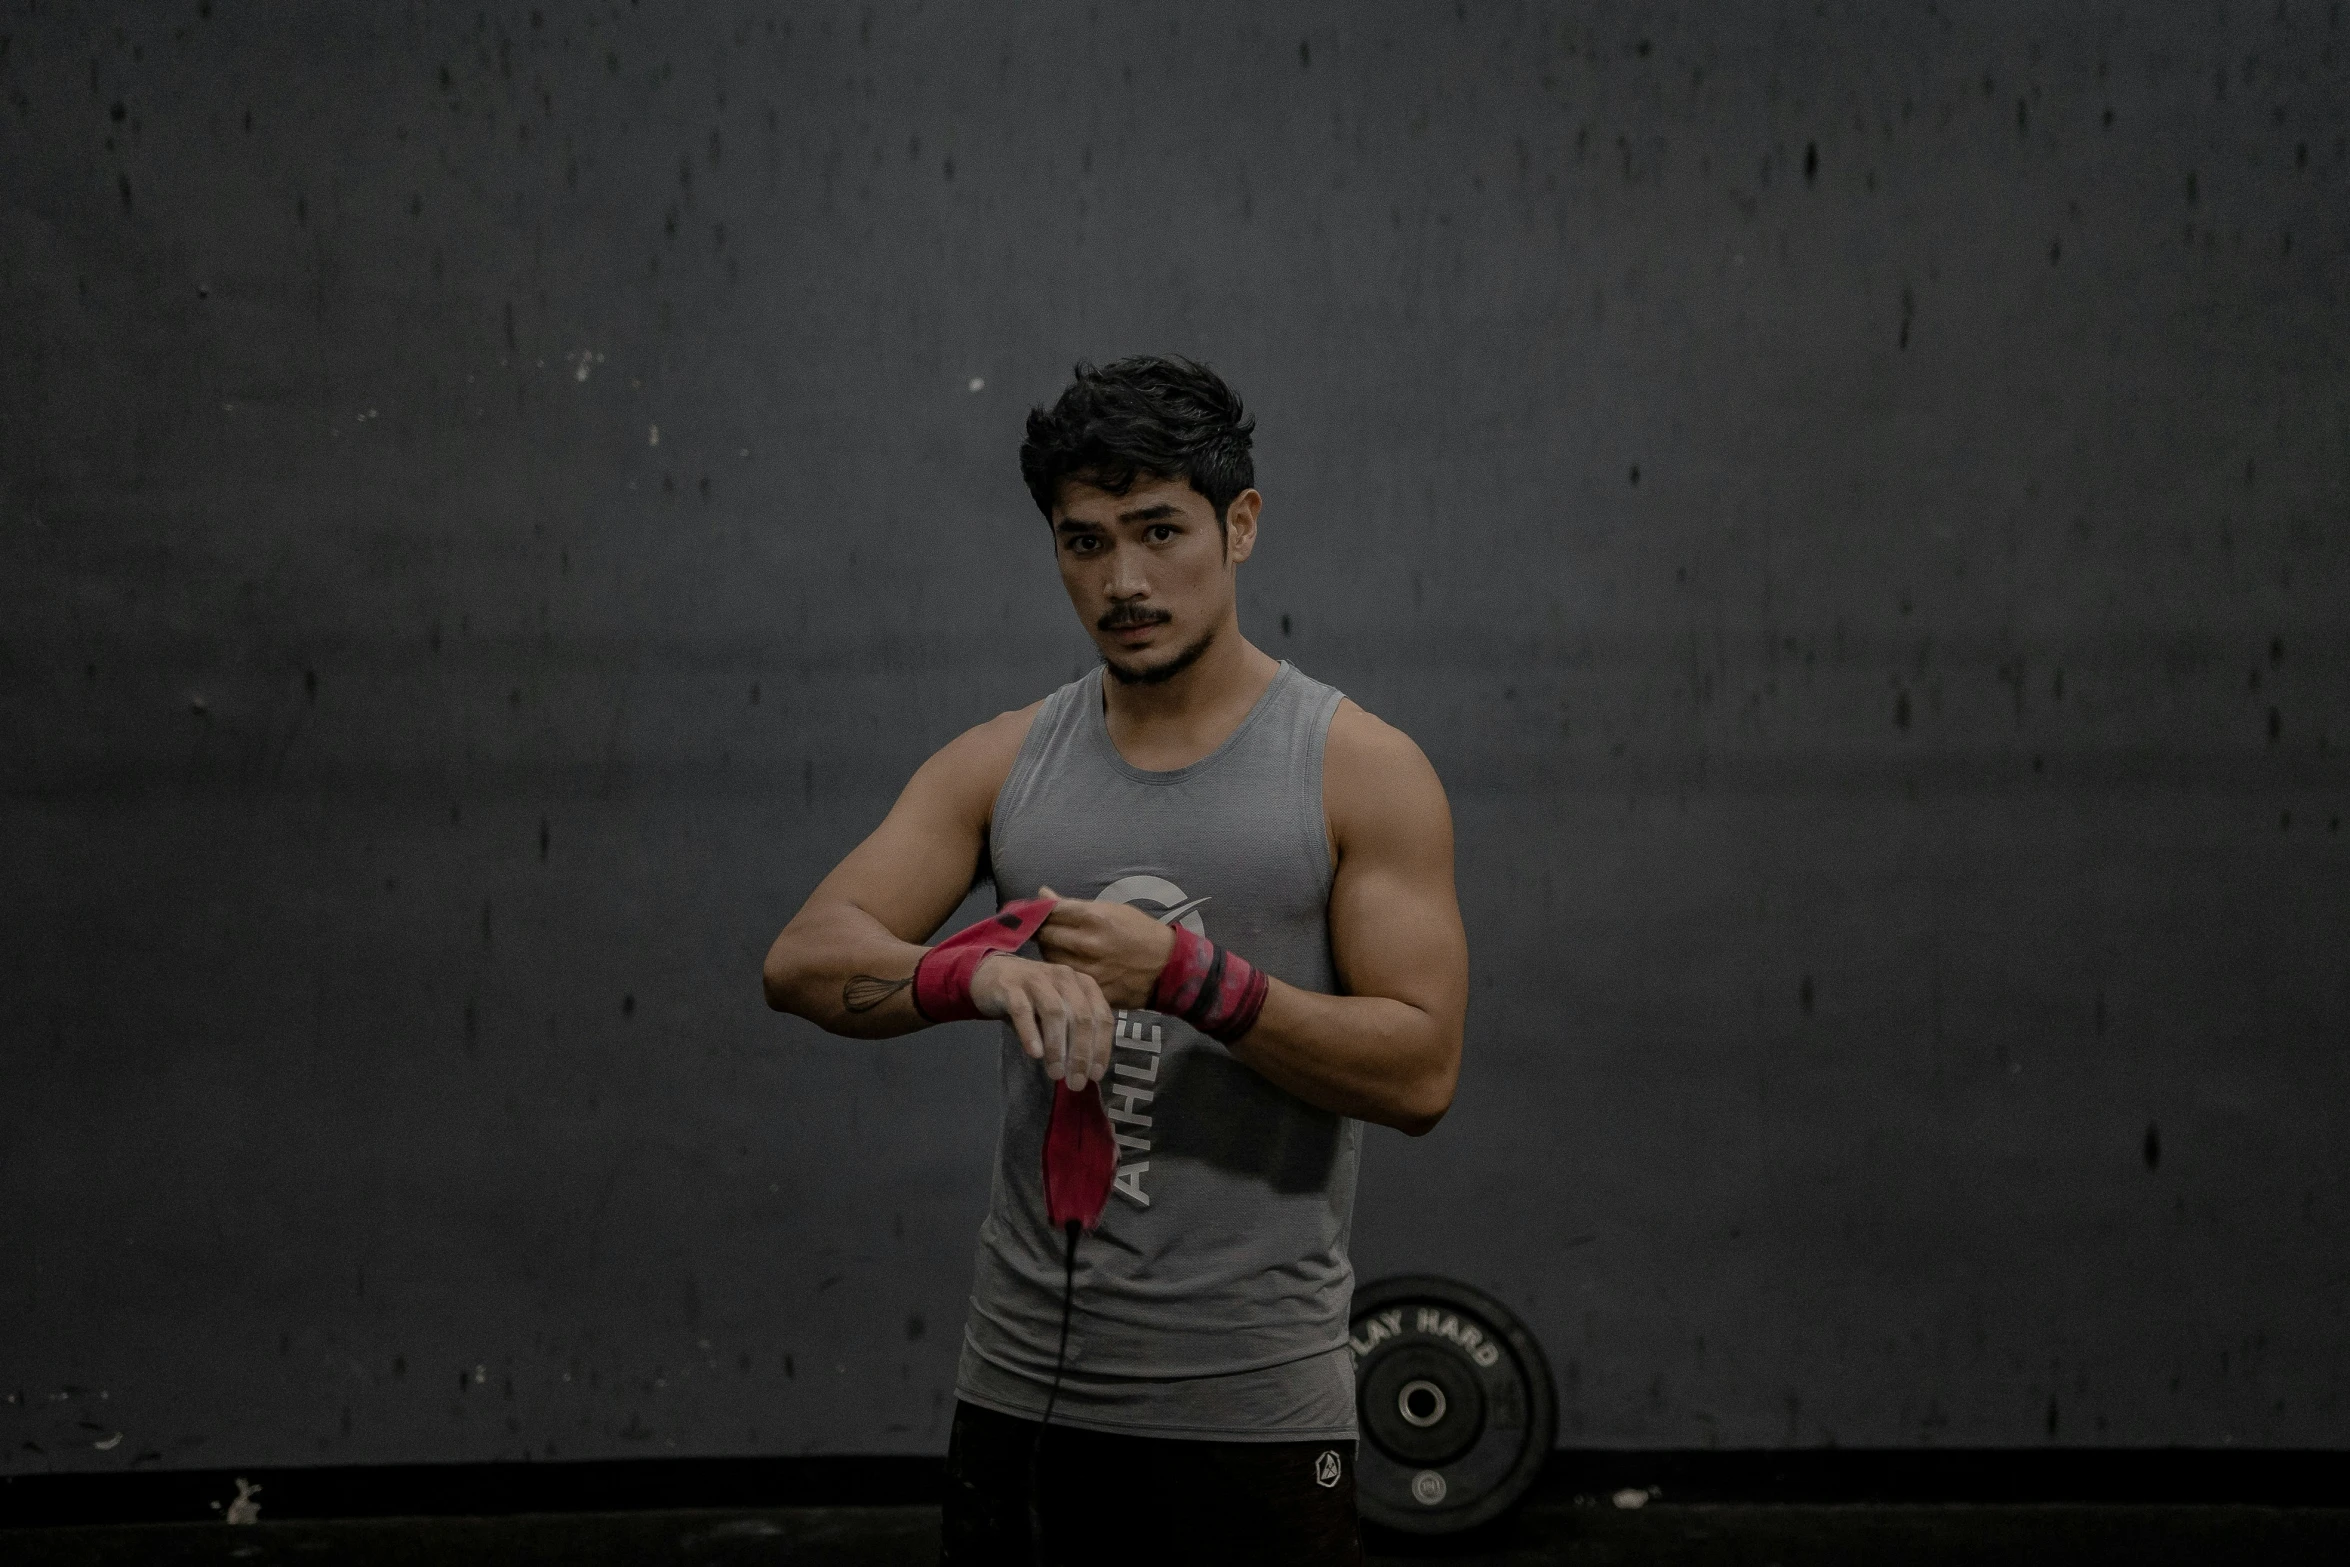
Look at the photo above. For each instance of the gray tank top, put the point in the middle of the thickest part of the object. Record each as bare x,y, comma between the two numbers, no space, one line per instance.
1212,1301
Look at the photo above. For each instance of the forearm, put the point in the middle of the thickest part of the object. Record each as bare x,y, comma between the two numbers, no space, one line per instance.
1370,1057
841,969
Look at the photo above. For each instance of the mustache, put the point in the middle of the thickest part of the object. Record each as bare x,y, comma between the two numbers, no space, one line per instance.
1122,616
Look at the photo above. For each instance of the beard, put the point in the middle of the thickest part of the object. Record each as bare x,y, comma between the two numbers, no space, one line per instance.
1159,674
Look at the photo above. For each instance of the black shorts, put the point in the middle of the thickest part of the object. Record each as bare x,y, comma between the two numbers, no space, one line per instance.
1137,1500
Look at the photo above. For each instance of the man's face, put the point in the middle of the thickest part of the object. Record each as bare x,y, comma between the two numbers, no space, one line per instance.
1150,573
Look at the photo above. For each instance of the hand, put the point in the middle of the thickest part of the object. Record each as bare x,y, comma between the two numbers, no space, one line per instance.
1059,1014
1115,945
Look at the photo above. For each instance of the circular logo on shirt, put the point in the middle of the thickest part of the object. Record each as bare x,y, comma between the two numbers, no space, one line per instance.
1158,897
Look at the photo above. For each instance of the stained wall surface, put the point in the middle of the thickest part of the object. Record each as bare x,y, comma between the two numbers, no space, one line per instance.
494,499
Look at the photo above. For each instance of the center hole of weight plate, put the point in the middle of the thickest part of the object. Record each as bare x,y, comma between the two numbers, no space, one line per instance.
1421,1403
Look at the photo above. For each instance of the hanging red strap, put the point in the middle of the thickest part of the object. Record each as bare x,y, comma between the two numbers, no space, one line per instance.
1080,1157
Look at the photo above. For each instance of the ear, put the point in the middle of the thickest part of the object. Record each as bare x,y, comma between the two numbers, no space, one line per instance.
1240,525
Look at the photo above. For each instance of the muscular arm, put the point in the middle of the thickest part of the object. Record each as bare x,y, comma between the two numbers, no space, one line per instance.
846,960
1389,1048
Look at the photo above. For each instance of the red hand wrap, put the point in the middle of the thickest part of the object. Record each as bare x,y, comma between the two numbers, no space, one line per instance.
1217,992
942,980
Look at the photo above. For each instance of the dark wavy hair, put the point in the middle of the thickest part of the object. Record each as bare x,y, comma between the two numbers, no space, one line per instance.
1163,417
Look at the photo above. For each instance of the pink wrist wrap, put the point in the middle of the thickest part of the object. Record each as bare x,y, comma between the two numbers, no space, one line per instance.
942,980
1217,992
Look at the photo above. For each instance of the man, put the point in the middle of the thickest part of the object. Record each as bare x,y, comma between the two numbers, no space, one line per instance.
1203,805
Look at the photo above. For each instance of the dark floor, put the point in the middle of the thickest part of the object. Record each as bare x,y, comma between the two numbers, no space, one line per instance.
1746,1535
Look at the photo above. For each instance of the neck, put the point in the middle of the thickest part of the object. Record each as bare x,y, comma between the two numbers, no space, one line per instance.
1178,720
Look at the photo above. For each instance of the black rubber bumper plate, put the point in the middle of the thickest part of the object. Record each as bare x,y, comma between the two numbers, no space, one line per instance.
1455,1403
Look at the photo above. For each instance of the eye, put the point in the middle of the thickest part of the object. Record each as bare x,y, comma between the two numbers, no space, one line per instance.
1160,532
1081,543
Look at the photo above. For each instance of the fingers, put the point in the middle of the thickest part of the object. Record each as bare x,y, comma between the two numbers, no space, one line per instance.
999,990
1059,926
1052,1021
1060,1014
1022,1016
1073,933
1071,949
1091,1030
1074,1024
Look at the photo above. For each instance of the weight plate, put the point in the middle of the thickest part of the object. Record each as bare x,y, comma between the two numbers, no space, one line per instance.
1455,1404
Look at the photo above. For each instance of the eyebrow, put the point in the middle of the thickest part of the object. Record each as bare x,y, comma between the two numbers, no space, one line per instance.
1158,513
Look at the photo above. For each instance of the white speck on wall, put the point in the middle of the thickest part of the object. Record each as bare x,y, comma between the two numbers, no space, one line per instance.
244,1509
653,435
978,384
582,362
110,1444
1630,1498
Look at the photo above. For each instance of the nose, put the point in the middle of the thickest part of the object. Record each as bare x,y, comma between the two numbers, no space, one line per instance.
1125,581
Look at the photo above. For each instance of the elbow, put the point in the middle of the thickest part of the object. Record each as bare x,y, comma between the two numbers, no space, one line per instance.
1425,1103
779,978
1418,1123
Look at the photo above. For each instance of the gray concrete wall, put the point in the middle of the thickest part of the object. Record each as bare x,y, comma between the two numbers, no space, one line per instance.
1852,499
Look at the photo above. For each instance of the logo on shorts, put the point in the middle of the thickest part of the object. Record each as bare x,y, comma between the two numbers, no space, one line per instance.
1326,1469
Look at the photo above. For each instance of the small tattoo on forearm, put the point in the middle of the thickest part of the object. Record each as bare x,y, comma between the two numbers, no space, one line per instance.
864,992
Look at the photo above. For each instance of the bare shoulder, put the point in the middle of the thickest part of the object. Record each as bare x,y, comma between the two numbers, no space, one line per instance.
1378,787
1361,742
969,769
994,745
